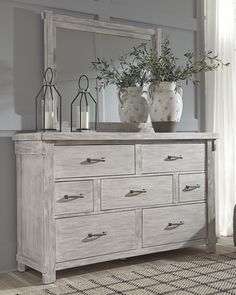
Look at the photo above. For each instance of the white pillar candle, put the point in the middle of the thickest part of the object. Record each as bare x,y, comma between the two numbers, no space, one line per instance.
84,119
48,120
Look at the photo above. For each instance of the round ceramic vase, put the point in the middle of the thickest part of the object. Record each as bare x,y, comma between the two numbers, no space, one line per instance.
133,106
166,105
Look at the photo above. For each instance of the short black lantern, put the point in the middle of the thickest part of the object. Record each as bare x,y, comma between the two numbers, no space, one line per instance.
48,105
82,109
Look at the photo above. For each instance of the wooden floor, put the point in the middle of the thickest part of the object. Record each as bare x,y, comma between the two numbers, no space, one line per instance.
13,282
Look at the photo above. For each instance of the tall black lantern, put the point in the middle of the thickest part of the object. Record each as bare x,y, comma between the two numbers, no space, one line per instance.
48,107
84,100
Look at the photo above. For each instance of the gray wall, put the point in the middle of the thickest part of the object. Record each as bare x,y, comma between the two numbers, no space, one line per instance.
21,67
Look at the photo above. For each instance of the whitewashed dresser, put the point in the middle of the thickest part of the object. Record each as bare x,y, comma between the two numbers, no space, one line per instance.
88,198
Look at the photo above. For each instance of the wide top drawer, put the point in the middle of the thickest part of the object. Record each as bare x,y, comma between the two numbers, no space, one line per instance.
93,160
173,157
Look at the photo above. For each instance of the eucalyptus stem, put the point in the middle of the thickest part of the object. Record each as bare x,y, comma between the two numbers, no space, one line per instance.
143,66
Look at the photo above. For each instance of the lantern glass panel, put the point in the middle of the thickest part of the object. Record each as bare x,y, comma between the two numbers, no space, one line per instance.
83,117
48,112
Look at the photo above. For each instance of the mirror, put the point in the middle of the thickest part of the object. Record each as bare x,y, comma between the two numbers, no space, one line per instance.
71,44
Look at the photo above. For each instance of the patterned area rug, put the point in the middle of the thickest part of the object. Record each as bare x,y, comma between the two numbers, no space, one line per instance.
201,275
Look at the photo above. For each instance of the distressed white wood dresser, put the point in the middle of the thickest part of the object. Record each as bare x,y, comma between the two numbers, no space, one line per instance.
92,197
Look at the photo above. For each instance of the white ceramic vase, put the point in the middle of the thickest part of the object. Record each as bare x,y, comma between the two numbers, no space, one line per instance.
133,106
166,105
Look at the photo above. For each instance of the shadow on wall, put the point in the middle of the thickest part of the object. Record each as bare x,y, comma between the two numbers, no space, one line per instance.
6,82
28,64
7,205
5,77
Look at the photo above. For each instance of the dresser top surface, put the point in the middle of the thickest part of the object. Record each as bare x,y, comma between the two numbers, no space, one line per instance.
112,136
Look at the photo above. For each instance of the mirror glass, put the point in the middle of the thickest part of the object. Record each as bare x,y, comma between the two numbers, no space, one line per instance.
75,50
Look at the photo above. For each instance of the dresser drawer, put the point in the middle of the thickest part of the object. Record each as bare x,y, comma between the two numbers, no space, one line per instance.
173,224
87,236
73,197
93,160
173,157
192,187
135,192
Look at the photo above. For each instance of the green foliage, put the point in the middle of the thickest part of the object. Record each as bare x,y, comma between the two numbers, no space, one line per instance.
129,71
142,66
166,68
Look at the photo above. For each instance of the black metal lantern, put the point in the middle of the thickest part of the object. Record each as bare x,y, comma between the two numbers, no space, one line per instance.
48,105
82,114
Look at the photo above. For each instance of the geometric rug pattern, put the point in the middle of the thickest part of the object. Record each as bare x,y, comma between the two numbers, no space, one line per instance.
213,274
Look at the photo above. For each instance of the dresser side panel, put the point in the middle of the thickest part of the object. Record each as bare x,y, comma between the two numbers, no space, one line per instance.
49,246
31,207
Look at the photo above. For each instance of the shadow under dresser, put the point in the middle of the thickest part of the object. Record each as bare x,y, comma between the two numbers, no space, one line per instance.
92,197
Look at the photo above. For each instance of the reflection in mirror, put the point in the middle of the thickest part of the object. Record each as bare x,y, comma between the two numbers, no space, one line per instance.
75,50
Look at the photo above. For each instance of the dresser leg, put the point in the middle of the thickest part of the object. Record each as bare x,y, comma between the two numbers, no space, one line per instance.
21,267
49,278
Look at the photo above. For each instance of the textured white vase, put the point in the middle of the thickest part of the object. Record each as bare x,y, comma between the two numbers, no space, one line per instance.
166,105
133,106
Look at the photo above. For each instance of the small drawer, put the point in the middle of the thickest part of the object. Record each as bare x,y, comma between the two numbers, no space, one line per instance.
192,187
93,160
73,197
174,224
87,236
136,192
173,157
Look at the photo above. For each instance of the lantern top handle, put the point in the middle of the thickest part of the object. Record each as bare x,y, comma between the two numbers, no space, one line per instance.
87,82
48,76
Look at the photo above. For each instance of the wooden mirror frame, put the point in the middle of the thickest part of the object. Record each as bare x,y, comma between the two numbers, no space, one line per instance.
53,21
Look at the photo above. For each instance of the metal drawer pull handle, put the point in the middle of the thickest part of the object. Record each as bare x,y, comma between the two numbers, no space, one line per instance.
134,193
173,158
90,160
67,197
143,191
191,187
176,223
97,235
